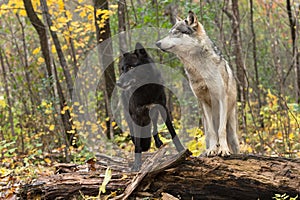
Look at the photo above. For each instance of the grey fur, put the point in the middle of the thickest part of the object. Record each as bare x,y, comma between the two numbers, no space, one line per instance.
211,80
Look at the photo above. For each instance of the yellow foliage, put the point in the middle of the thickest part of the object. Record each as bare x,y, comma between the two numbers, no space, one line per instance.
36,50
52,127
2,103
197,144
53,28
22,13
61,4
107,177
40,60
47,160
82,14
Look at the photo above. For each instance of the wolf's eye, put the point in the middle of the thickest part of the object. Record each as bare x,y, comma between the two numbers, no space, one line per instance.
186,32
129,67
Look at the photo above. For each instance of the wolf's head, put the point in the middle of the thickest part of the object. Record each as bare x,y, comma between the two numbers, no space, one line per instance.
136,68
183,36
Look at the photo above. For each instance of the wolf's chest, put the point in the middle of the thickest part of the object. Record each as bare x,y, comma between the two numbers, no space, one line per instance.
198,84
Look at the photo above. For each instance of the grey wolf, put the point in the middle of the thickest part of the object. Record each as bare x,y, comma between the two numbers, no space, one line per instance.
211,80
143,98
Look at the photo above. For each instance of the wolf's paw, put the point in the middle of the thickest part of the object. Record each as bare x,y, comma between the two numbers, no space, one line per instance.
158,143
136,167
224,151
213,151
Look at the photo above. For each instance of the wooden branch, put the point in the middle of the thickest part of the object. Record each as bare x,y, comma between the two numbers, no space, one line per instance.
177,177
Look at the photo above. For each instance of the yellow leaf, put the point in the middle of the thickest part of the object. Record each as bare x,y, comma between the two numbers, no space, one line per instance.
40,60
66,108
51,127
53,28
2,103
82,14
44,103
47,160
62,20
69,15
53,49
48,111
61,5
64,47
23,13
124,176
71,131
36,50
279,134
107,178
113,123
90,17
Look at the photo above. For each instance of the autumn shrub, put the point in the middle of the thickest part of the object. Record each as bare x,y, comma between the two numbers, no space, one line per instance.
274,129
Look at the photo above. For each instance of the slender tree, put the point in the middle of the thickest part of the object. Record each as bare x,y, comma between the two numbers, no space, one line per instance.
234,17
42,32
58,48
8,96
254,54
294,23
122,25
105,56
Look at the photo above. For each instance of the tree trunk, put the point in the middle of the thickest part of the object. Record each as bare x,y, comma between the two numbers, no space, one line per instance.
105,53
41,30
8,96
234,16
58,49
234,177
294,35
254,54
122,25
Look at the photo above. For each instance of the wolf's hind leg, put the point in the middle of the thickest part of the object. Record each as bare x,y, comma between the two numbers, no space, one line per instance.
154,118
164,112
232,138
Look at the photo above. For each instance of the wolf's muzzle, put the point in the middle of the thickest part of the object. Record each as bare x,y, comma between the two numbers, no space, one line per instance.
158,44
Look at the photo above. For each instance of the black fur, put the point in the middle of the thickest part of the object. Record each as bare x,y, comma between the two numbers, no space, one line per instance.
143,98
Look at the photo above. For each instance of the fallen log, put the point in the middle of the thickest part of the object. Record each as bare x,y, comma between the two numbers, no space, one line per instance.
174,177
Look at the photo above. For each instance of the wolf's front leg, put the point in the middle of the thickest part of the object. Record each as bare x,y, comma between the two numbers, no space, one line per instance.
223,148
211,139
137,162
136,138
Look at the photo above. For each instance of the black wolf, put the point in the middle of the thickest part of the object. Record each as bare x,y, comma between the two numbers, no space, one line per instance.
212,82
143,98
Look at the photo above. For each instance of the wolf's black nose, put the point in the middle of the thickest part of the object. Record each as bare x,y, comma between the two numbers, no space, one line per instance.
158,44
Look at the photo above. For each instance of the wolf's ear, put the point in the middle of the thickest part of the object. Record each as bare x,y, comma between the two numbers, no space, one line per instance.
192,20
123,53
140,50
178,19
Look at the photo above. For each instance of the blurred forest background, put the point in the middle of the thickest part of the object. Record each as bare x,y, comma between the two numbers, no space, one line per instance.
43,44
